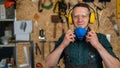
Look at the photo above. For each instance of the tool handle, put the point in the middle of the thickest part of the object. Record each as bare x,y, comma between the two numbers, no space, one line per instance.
54,34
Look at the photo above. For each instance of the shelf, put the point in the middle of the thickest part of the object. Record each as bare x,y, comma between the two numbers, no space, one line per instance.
7,45
6,19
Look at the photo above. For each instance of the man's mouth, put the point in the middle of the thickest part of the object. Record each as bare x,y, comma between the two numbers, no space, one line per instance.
80,23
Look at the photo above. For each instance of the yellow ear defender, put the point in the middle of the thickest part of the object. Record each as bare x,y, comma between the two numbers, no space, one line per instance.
91,17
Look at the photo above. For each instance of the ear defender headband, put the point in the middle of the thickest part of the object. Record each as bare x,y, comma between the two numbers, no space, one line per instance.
91,16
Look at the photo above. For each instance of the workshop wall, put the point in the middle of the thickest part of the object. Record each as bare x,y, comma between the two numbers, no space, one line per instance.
28,10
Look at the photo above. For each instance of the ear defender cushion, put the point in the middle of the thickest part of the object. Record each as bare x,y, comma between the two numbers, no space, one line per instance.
92,18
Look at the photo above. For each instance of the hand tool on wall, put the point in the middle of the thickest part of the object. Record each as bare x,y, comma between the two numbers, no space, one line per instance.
42,38
26,56
55,20
47,4
61,8
42,34
63,20
63,27
37,49
40,6
49,42
43,41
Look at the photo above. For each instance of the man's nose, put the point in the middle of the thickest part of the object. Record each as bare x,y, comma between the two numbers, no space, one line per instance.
80,18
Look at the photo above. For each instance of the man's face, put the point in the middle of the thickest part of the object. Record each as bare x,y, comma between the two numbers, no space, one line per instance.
81,17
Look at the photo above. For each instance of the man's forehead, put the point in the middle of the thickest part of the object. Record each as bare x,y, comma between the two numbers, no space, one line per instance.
81,10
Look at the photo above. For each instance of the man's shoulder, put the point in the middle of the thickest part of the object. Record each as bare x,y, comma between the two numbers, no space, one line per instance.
100,35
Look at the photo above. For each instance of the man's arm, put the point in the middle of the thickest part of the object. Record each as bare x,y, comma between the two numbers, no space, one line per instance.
54,57
108,59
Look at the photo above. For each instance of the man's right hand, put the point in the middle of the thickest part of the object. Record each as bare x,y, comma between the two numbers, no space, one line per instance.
69,37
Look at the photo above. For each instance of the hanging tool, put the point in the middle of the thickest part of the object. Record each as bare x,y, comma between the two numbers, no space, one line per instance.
26,56
60,8
40,6
55,20
49,42
43,41
42,34
37,48
42,38
47,4
63,20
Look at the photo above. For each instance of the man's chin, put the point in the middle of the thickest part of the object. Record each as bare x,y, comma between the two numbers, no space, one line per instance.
81,26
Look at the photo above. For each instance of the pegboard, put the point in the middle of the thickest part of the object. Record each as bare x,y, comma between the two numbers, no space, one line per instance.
28,10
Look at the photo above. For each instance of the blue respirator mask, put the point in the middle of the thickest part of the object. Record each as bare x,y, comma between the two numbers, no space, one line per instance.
80,33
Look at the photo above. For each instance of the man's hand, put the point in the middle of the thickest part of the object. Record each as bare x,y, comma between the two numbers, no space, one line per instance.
92,38
69,37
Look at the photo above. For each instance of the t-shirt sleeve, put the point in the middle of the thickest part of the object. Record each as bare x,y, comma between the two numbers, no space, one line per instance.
57,43
106,44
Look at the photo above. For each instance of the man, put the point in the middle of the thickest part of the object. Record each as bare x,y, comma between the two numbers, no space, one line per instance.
86,53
